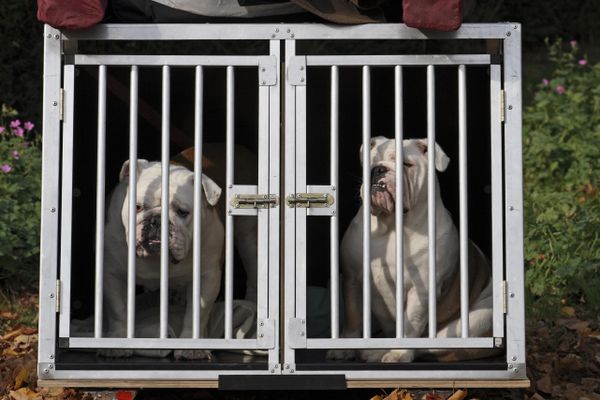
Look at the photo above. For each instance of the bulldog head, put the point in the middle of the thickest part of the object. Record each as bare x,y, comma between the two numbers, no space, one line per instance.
181,207
383,173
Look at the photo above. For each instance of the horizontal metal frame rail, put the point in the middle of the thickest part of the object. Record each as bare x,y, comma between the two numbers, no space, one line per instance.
166,343
404,60
173,61
283,32
407,343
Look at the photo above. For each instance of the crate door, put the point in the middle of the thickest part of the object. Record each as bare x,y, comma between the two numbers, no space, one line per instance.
326,184
127,123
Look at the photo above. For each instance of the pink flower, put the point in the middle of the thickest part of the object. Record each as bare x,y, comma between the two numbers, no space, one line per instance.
545,81
18,131
583,61
28,126
560,89
15,155
6,168
16,123
573,43
2,129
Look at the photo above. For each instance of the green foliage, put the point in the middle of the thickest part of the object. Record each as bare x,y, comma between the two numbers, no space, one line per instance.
20,184
562,178
21,56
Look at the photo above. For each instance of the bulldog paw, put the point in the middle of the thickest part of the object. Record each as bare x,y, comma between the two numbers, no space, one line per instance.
115,353
341,354
398,356
193,355
372,356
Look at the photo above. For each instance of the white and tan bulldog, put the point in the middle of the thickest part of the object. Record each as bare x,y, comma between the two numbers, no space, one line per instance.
383,261
147,245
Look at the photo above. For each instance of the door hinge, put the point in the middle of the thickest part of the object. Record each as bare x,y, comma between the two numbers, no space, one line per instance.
502,105
504,291
254,201
268,68
296,71
265,333
57,299
61,104
296,331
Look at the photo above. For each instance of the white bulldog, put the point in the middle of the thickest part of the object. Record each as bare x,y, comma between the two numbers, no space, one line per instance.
383,261
147,245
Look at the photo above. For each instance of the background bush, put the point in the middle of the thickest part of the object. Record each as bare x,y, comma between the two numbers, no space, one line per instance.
562,171
20,183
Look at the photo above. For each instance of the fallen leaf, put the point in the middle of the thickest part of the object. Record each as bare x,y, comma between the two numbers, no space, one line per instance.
458,395
9,352
376,397
12,335
568,311
433,396
595,335
580,327
571,362
9,315
24,394
21,377
544,384
536,396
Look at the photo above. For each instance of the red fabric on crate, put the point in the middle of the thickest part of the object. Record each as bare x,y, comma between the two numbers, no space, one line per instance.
71,14
440,15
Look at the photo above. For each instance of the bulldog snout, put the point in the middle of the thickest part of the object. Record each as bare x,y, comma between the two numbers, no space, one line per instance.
378,171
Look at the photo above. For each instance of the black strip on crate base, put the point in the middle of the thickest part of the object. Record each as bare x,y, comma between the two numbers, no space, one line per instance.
158,366
410,366
282,382
79,360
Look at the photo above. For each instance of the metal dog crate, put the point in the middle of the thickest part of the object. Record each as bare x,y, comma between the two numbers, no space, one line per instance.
304,98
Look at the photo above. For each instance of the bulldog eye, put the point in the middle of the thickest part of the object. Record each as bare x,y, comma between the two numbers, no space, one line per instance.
407,164
139,207
182,213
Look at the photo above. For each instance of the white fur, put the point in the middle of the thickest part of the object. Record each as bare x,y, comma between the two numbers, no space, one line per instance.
383,255
181,184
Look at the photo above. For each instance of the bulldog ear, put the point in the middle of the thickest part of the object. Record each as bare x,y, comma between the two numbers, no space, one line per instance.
441,159
375,141
212,191
124,174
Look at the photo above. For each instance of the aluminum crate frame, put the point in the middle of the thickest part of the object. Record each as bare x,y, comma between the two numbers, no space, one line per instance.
58,43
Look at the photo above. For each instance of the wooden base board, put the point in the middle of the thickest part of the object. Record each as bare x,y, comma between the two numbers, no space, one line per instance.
354,383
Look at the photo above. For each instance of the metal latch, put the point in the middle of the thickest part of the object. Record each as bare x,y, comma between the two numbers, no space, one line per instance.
250,201
310,200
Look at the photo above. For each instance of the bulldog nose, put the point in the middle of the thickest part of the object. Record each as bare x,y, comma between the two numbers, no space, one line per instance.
377,171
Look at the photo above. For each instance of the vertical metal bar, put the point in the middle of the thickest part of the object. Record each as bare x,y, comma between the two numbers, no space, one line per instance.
289,226
334,224
64,295
229,179
275,213
132,217
497,197
301,213
164,212
262,248
399,134
100,193
49,238
463,201
197,257
431,197
514,200
366,172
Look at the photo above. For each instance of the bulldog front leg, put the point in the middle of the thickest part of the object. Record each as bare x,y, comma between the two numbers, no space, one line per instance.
415,322
208,293
352,292
115,305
